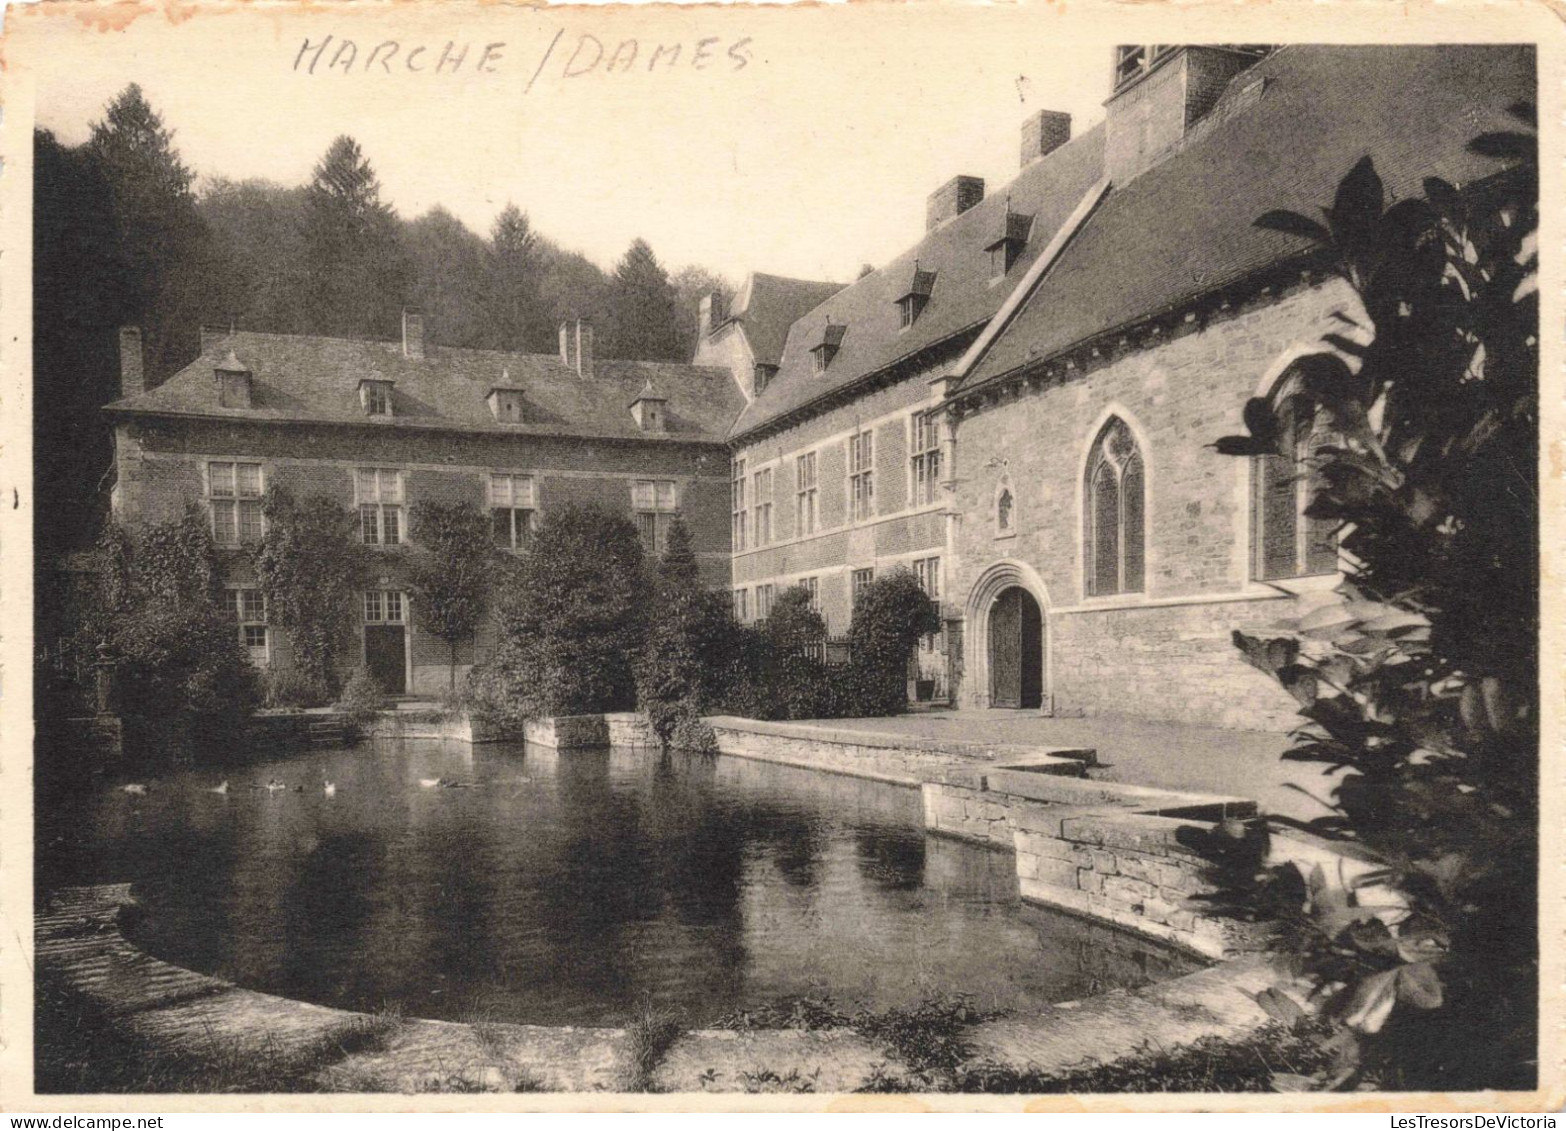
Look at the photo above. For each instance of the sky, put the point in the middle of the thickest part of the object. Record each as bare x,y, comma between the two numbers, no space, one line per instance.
798,142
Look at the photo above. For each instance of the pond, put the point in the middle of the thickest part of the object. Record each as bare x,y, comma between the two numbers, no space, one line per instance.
566,888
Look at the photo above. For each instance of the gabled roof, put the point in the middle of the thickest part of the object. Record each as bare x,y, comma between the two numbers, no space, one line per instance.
963,296
300,379
769,304
1184,228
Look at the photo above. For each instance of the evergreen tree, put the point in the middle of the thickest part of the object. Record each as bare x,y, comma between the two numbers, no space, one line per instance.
76,305
161,255
357,273
517,319
643,309
257,229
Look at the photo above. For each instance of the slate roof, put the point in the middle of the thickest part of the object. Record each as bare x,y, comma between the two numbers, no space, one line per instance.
312,379
770,304
1185,227
962,295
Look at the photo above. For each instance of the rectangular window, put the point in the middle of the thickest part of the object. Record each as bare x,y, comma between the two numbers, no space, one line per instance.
812,586
234,502
741,606
857,581
861,475
250,614
926,448
737,506
377,398
378,492
761,499
654,503
383,606
763,602
512,507
928,571
805,494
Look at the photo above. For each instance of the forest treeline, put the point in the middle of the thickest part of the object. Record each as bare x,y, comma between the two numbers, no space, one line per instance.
124,235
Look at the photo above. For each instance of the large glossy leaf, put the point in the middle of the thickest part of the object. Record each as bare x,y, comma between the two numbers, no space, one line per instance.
1292,223
1419,985
1372,1002
1505,145
1356,210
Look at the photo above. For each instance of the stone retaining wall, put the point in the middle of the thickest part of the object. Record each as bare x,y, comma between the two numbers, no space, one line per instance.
568,732
1108,851
421,724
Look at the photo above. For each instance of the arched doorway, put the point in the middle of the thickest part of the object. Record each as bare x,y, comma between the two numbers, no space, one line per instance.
1016,635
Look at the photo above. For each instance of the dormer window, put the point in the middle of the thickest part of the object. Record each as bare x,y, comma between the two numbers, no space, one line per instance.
376,397
649,409
1008,244
505,403
233,382
912,302
825,349
764,375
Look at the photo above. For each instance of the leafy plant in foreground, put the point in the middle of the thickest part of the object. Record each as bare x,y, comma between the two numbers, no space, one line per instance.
1418,676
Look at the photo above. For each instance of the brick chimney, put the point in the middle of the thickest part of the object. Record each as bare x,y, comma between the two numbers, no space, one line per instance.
1043,133
953,198
412,335
576,346
711,312
1160,94
133,378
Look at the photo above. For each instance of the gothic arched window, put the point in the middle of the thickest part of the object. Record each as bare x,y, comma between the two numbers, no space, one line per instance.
1113,539
1288,543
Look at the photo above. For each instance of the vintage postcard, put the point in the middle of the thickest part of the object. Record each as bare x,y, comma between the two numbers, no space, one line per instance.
853,557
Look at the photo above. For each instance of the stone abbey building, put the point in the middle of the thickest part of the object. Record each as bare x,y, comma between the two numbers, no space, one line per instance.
1019,409
381,426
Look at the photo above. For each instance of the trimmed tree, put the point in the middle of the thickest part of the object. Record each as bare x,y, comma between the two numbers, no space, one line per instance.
890,615
571,621
691,651
1418,677
310,566
453,572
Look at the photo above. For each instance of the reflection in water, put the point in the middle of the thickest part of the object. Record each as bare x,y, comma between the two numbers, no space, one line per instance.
562,888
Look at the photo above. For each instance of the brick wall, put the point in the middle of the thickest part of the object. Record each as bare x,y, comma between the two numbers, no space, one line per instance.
1146,653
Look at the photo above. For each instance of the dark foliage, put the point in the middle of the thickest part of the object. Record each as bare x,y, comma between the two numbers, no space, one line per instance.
571,621
454,571
692,651
890,615
310,565
1418,677
645,321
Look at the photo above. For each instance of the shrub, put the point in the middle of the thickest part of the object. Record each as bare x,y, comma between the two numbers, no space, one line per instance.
890,615
289,687
361,699
1418,679
184,684
692,650
310,566
570,616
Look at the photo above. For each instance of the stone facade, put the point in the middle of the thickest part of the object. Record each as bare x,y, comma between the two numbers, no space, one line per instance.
163,463
1163,651
900,530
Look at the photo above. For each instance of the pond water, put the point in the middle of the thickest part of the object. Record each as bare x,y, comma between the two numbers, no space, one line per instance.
565,888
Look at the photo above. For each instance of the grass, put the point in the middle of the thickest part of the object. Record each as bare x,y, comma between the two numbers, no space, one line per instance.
1274,1058
651,1033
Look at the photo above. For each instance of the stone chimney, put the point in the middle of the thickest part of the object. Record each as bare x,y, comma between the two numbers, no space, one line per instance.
412,335
953,198
711,312
576,346
133,378
1043,133
1160,93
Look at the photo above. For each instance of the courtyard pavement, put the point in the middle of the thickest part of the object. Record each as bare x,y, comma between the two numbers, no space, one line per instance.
1139,752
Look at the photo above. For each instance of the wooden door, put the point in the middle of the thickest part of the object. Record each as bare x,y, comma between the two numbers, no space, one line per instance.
384,655
1006,650
1031,651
